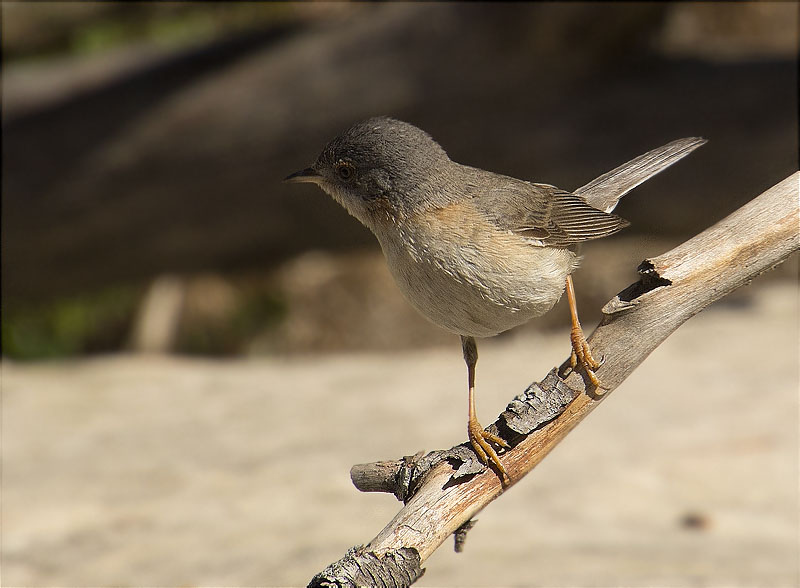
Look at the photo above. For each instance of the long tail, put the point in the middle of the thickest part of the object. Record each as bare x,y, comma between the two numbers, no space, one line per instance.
604,192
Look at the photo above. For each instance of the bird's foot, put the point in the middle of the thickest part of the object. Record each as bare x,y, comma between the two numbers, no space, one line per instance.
481,439
582,355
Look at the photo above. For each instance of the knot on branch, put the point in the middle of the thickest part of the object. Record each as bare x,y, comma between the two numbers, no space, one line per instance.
397,568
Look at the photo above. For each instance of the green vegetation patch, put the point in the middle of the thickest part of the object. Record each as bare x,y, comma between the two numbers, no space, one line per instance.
89,323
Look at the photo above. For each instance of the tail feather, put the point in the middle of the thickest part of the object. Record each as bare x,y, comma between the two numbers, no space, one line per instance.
604,192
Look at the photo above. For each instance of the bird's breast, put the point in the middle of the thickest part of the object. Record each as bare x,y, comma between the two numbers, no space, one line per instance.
470,278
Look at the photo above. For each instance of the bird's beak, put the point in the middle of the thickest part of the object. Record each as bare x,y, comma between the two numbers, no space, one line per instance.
304,175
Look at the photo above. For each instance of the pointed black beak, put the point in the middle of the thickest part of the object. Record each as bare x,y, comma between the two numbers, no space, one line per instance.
304,175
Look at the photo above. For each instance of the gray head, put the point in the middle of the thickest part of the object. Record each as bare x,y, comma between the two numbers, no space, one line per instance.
379,166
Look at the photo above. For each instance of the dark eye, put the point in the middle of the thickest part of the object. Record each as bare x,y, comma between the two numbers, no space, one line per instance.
345,170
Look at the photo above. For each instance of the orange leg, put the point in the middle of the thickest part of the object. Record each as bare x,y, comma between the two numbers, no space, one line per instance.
581,354
479,437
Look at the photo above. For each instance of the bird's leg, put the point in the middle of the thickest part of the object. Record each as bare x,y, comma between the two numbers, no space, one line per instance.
479,437
581,354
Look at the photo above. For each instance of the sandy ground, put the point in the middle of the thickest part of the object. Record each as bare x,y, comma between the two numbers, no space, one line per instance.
160,471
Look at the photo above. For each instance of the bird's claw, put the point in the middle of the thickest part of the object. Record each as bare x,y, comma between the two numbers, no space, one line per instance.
480,440
582,355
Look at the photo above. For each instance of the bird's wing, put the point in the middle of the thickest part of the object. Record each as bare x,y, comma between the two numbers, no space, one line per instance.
604,192
543,213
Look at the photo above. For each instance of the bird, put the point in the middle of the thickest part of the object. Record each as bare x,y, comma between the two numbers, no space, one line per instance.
475,252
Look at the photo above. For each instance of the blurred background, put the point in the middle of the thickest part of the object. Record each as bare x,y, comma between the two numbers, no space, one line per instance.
148,141
146,237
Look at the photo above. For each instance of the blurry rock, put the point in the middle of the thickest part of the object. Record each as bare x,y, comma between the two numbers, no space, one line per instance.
217,316
210,298
156,324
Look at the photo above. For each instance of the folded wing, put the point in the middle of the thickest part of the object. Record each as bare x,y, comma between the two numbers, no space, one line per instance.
544,214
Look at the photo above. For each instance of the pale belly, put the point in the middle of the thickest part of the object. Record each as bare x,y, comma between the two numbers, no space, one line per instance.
456,289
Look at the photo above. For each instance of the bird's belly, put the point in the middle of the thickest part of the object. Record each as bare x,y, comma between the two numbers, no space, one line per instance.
458,291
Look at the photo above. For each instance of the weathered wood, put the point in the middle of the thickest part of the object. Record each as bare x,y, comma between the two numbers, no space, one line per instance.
376,477
394,476
673,287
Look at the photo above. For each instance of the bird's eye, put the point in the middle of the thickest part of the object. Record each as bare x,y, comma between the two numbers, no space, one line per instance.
345,170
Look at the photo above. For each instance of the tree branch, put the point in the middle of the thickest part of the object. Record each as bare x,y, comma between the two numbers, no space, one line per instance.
443,490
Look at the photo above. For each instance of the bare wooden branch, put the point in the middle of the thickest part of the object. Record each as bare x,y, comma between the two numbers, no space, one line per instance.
441,499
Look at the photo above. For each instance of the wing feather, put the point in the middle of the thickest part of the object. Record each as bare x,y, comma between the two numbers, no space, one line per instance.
543,213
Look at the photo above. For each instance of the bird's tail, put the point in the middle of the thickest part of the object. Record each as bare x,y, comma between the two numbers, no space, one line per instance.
604,192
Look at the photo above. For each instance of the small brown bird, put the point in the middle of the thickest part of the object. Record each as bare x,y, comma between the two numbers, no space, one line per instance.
475,252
